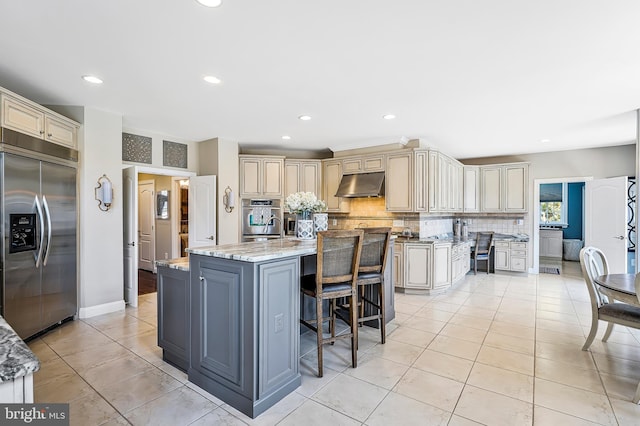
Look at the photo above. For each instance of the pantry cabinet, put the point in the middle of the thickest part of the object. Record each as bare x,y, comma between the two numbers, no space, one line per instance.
261,176
303,175
21,115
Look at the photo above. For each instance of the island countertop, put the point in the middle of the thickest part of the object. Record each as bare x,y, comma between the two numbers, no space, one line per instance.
16,359
259,251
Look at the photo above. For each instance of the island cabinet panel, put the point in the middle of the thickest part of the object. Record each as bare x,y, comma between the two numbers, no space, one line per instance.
173,316
244,330
279,327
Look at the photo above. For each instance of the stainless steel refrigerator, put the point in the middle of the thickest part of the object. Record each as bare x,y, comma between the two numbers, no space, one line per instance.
39,216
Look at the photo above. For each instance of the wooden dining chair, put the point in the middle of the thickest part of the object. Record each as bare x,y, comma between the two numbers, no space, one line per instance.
482,251
338,260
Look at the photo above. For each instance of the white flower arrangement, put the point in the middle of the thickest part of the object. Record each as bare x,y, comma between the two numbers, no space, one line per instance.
304,203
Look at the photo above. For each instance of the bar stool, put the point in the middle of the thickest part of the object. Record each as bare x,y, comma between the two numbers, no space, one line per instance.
338,259
373,262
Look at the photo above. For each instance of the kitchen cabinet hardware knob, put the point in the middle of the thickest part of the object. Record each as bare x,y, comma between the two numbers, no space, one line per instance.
42,132
201,278
49,134
620,237
210,237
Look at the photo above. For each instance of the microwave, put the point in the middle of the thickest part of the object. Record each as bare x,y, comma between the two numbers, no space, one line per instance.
289,224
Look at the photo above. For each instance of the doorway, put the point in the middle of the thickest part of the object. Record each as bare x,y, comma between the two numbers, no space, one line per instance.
167,221
553,216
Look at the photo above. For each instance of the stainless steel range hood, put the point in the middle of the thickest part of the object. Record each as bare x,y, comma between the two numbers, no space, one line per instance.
361,185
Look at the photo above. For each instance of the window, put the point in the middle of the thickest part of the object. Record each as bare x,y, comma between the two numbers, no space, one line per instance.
553,204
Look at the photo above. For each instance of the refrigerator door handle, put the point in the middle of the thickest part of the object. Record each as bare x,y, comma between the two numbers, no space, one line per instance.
39,209
48,212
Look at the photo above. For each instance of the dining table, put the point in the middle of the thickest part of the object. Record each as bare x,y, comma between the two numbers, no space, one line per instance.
619,287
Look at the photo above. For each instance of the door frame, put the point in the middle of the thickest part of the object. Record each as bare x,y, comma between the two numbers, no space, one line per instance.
127,208
151,182
536,212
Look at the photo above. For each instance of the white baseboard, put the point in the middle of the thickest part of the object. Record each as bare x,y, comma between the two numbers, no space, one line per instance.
105,308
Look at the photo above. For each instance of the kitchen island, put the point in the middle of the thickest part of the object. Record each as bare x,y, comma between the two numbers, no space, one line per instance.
17,365
245,312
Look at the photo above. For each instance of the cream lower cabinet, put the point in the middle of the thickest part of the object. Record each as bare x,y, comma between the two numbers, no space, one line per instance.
510,256
427,266
460,261
398,265
551,243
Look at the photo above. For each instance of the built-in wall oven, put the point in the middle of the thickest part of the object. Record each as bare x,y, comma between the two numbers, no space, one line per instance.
261,219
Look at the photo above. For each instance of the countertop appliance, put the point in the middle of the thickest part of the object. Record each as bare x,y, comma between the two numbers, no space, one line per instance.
39,224
261,219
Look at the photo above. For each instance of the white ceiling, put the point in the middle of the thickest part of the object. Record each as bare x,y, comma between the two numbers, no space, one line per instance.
474,78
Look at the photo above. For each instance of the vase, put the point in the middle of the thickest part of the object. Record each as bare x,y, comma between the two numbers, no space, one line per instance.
304,229
320,222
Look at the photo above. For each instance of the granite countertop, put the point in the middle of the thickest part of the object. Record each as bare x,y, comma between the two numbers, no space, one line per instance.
16,359
180,263
449,238
259,251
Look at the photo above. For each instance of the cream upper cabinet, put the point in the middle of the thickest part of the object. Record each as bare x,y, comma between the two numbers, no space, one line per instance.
26,117
331,176
363,164
302,176
261,176
471,189
445,183
21,117
420,181
399,182
504,188
60,132
491,189
516,187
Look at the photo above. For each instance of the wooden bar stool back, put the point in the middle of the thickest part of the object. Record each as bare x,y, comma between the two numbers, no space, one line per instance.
373,262
338,259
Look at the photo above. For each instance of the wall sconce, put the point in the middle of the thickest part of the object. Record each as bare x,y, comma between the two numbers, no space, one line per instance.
229,200
104,193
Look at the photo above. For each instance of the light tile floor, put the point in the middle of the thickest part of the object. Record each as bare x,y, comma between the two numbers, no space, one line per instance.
495,350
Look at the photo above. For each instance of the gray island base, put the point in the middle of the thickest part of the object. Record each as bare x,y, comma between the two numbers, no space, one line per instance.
245,310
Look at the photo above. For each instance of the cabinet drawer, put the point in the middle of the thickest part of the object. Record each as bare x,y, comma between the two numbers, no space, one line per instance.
518,264
520,253
518,246
502,244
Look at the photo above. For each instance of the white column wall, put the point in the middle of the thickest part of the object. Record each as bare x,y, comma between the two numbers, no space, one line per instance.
101,254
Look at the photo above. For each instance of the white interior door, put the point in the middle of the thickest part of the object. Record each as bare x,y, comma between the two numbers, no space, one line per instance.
202,211
130,209
606,220
146,225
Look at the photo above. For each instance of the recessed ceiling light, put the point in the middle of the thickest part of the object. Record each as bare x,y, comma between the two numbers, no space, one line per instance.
388,116
210,3
286,138
92,79
305,117
212,79
545,140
